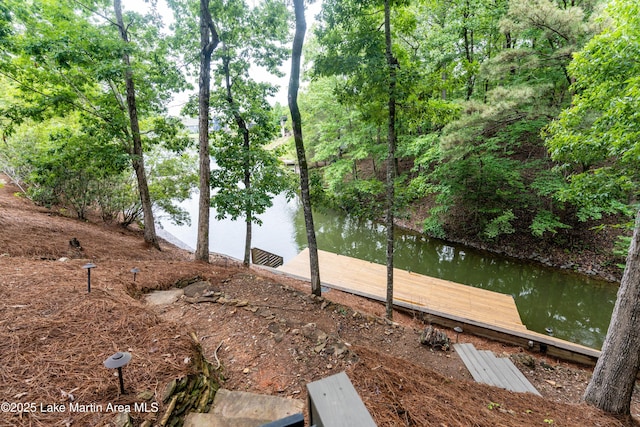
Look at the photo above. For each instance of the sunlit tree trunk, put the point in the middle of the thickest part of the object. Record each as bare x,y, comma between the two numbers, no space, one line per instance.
294,83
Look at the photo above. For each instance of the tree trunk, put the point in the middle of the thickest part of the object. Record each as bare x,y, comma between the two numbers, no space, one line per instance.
294,83
247,186
614,376
468,48
208,42
391,164
137,156
246,147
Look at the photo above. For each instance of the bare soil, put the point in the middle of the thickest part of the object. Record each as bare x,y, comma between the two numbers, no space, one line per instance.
267,334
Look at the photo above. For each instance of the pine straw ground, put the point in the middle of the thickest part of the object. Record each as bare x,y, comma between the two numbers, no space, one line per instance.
54,336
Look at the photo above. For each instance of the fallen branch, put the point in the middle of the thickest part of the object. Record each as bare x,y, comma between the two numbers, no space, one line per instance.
200,300
277,307
215,355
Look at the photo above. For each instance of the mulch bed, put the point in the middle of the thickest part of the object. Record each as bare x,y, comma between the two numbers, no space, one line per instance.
54,337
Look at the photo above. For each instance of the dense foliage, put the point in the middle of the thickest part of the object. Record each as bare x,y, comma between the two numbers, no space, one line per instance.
67,129
480,87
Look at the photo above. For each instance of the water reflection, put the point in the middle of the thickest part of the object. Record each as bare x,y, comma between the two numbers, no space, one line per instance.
577,309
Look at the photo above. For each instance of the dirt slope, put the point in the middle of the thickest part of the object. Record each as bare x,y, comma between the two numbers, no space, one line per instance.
270,336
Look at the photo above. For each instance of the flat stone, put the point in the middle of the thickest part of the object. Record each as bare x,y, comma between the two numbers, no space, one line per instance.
164,297
168,390
145,395
122,419
198,289
241,409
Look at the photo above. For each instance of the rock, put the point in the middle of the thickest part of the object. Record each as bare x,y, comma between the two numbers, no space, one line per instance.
75,243
273,327
340,348
278,337
321,336
145,395
525,359
122,420
309,331
198,289
435,338
183,283
546,366
164,297
168,390
264,312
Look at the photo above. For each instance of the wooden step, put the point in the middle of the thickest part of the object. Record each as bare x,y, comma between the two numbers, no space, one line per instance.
486,368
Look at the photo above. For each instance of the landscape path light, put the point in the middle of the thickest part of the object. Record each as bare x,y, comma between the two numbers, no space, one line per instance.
88,266
458,331
118,360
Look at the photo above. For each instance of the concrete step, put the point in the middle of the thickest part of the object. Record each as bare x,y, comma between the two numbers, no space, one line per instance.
241,409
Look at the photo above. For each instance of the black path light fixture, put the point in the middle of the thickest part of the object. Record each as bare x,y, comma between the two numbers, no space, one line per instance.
458,331
88,266
135,270
118,360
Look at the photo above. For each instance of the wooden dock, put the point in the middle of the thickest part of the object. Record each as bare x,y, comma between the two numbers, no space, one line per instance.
478,311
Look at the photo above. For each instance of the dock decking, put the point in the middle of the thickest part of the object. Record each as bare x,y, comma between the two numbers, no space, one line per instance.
370,280
479,311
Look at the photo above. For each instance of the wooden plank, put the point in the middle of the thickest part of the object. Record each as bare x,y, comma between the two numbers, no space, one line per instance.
486,368
506,378
470,358
333,402
487,358
517,380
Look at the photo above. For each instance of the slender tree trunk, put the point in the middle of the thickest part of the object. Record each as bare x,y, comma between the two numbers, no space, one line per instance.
615,374
137,155
246,147
391,165
208,42
294,83
468,48
247,186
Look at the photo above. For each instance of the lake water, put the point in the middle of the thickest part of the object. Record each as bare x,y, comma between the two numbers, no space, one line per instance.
576,308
